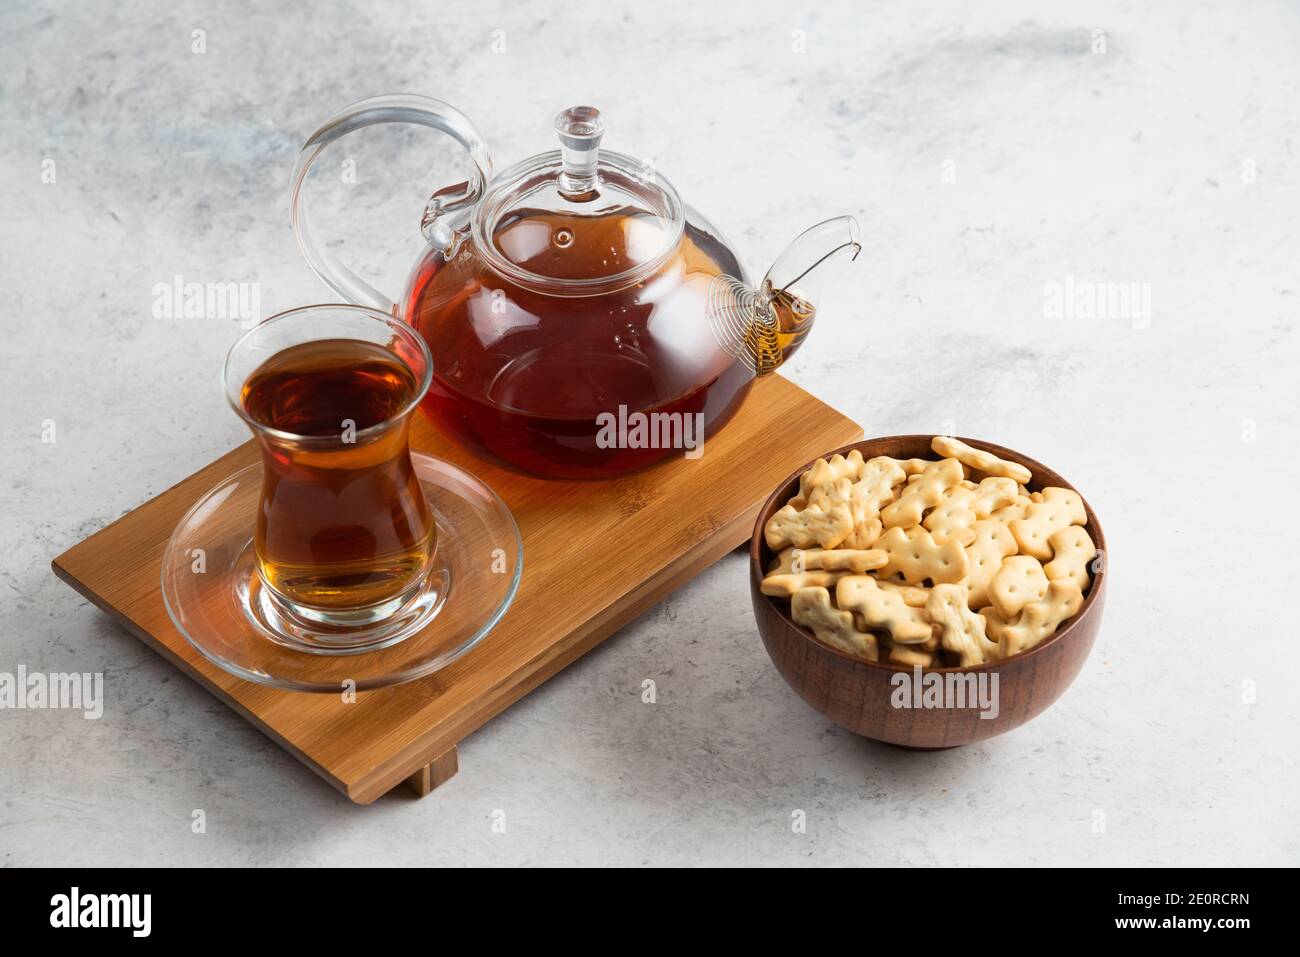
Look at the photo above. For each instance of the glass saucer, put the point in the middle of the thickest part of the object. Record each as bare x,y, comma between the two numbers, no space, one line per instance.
216,599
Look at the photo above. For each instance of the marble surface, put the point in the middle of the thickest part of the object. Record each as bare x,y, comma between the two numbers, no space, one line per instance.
996,154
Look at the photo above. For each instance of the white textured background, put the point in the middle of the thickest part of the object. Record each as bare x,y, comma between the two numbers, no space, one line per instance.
1129,165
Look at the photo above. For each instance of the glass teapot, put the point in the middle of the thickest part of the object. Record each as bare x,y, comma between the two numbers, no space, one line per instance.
583,321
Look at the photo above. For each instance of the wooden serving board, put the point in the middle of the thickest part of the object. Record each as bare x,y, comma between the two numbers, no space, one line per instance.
656,529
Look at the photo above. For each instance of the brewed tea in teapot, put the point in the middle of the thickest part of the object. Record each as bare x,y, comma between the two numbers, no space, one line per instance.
573,289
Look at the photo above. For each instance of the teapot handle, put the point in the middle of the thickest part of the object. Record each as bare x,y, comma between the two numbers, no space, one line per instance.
448,210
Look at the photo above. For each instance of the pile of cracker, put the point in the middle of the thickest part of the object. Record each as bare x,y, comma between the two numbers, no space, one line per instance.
947,563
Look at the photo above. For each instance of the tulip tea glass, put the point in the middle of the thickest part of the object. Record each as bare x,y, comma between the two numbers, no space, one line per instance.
344,534
341,559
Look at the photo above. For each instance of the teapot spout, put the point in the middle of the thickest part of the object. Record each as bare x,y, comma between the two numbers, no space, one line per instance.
793,286
763,327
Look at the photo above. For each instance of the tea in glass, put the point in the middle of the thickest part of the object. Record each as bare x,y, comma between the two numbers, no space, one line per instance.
344,531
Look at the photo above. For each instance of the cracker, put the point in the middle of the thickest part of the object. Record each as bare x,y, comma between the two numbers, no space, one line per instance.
828,559
879,476
952,518
864,516
993,542
912,656
1072,550
883,609
1016,510
963,630
1019,581
825,471
914,554
856,560
992,494
784,585
912,467
914,595
869,494
868,488
812,608
1040,619
1059,508
787,560
986,462
926,492
994,624
803,528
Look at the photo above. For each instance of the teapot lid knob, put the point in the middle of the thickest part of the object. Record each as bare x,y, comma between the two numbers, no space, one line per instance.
580,129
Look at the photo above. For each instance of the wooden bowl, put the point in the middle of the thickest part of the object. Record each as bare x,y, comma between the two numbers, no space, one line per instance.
856,694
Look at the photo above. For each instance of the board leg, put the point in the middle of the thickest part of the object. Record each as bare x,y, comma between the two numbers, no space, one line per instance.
438,771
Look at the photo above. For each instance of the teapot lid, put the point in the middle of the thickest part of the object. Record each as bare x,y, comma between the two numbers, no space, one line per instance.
578,220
